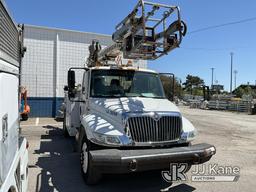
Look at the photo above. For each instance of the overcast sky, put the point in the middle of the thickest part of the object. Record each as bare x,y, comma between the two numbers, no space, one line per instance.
199,51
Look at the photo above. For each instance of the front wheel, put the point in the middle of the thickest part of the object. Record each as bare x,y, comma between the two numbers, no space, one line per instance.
90,174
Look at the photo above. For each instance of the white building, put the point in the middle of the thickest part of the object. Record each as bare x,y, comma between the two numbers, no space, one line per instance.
50,53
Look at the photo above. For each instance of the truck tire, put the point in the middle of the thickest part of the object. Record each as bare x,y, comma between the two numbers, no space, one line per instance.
65,127
24,117
90,174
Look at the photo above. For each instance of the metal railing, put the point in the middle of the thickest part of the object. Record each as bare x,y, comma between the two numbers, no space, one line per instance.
237,106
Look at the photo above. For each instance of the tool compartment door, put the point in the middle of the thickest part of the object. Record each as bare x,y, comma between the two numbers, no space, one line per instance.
9,122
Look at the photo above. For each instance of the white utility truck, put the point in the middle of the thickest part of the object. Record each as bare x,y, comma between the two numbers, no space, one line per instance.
119,114
13,147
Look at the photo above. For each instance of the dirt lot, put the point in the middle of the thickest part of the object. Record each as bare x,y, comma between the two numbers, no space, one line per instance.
55,167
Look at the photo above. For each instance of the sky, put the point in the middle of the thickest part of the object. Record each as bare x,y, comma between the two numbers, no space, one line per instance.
198,53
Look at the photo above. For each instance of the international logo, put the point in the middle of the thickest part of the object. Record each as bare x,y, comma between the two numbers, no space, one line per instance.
156,116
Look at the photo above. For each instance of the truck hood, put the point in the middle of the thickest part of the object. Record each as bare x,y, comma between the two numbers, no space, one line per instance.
118,106
109,114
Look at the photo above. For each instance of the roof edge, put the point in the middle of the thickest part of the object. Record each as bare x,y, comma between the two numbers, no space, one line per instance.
64,30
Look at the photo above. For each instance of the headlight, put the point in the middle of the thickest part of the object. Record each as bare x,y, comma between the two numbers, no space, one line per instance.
188,136
108,139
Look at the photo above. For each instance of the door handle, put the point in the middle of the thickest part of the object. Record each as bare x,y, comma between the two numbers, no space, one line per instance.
5,127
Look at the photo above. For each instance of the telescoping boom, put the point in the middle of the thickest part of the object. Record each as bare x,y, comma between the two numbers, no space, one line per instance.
150,31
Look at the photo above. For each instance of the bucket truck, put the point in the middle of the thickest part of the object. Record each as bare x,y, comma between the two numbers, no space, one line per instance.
119,114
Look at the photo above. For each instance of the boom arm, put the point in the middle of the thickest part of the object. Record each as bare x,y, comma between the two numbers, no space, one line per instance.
148,32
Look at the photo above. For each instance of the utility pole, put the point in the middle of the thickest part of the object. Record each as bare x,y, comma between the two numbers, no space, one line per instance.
235,73
231,71
212,76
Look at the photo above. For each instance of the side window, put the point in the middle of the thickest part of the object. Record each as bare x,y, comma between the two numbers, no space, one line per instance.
168,82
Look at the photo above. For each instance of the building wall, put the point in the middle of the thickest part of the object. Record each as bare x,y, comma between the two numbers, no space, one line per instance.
50,53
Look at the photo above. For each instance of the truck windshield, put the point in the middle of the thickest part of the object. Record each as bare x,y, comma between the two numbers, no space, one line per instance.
125,83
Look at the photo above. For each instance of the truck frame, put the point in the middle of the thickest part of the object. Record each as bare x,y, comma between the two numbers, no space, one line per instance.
13,147
119,114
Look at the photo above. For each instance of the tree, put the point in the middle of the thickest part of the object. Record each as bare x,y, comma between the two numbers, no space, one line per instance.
193,84
168,87
240,91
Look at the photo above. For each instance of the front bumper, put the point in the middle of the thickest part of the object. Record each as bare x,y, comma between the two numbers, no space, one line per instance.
125,161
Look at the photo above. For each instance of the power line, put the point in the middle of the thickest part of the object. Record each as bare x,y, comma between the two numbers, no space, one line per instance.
214,49
223,25
206,49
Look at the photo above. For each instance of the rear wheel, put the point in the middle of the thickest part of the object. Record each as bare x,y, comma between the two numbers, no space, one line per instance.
90,174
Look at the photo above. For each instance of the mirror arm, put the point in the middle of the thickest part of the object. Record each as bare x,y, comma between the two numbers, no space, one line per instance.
77,101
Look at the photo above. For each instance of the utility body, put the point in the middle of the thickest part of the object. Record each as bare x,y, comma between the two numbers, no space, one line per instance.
13,147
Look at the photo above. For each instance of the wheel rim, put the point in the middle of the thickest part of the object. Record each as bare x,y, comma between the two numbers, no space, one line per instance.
84,157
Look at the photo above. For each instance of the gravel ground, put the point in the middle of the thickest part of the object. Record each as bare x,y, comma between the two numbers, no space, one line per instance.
55,167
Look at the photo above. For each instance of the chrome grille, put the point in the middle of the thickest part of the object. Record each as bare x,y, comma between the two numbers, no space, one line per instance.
147,129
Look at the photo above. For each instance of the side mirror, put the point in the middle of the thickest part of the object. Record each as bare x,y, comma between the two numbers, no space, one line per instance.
71,83
72,88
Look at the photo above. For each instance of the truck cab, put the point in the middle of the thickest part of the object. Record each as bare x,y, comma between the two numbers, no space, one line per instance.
119,114
123,122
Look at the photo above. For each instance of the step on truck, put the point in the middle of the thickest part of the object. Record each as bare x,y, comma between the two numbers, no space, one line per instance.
13,147
119,114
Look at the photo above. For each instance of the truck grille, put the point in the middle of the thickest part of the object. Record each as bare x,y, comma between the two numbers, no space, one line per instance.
147,129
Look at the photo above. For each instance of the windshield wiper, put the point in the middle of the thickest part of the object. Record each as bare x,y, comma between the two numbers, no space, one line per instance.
108,96
158,97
